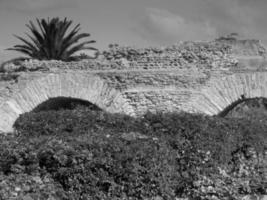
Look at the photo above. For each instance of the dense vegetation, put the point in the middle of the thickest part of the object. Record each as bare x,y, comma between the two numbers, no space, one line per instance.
83,154
52,41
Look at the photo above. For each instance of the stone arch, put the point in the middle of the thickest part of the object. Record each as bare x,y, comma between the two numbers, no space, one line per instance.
220,93
75,85
57,103
261,103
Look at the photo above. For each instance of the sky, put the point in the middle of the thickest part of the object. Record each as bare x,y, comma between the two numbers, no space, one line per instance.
138,22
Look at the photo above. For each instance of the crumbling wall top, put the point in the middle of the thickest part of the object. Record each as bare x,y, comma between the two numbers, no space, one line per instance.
221,53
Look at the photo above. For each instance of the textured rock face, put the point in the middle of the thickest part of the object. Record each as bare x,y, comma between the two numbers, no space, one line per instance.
203,77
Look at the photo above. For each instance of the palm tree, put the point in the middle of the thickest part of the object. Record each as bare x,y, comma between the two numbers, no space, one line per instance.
51,41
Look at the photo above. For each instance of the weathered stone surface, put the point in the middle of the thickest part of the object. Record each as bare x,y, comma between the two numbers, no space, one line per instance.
204,77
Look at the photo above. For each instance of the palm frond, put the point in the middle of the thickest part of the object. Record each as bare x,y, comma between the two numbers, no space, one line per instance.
79,47
50,40
22,50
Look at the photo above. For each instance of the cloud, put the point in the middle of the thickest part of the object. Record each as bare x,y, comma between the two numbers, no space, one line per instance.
34,6
166,27
204,19
247,17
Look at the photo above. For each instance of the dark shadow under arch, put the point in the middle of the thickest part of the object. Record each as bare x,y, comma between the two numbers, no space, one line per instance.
249,104
66,103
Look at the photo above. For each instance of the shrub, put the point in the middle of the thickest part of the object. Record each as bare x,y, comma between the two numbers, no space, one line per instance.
86,155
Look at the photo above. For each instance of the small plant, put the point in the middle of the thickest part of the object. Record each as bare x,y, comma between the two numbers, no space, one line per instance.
51,41
231,36
84,56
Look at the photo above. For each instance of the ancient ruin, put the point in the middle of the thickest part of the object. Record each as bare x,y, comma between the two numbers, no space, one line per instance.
200,77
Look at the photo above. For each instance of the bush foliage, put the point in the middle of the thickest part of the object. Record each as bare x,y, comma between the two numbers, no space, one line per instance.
82,154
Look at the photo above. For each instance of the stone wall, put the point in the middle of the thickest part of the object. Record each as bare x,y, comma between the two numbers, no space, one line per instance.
201,77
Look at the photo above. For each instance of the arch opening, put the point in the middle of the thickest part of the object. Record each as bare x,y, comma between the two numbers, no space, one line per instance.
65,103
245,107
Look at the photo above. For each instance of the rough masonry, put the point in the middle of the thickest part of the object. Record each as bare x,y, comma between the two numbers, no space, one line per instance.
199,77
